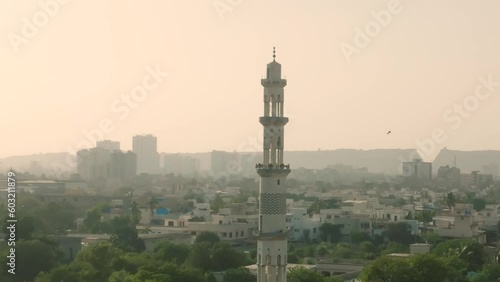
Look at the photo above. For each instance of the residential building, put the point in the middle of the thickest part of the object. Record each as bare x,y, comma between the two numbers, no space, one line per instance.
123,165
93,164
417,169
108,145
148,159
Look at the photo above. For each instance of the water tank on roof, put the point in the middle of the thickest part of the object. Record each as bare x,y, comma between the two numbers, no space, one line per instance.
162,211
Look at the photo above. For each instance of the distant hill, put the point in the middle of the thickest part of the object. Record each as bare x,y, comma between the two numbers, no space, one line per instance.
376,161
485,161
37,163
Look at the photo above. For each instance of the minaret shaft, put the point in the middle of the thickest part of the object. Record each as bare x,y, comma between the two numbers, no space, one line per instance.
272,236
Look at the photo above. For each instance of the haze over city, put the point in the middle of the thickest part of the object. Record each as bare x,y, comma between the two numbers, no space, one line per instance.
69,75
250,141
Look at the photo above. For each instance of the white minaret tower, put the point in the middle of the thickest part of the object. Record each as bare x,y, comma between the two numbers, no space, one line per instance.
272,236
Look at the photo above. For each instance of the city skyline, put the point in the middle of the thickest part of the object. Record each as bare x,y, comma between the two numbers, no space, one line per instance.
409,78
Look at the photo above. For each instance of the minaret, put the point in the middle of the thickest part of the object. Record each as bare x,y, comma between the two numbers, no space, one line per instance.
272,236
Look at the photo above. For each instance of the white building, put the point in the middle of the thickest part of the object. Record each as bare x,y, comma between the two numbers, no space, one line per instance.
459,226
302,227
272,237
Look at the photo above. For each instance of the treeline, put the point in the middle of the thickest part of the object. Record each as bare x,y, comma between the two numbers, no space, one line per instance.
458,260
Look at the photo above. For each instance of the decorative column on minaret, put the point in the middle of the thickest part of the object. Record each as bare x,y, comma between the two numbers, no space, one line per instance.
272,236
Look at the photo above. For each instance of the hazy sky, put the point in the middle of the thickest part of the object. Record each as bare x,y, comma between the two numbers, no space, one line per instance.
68,75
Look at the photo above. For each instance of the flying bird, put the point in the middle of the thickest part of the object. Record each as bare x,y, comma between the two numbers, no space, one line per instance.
389,132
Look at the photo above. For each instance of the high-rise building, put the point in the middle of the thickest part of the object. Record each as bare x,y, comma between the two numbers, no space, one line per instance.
93,164
179,164
418,169
449,175
272,235
123,165
108,145
148,159
225,161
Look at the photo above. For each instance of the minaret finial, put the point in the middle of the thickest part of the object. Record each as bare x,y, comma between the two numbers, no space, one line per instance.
274,53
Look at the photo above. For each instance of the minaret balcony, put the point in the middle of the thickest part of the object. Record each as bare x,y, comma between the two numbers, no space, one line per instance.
280,235
270,169
273,83
276,121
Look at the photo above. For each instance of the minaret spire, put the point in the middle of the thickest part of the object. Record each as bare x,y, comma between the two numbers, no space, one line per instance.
272,235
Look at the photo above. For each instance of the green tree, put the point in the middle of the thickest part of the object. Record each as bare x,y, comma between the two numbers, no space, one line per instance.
330,232
490,272
386,269
394,247
241,274
359,236
302,274
122,276
399,232
135,213
56,218
432,238
479,204
76,271
197,219
152,205
368,247
200,256
127,239
425,216
208,237
433,269
24,228
217,203
32,258
225,257
103,257
175,253
450,200
467,250
322,249
92,220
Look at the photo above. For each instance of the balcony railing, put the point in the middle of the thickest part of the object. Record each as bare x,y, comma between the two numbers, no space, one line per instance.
282,234
271,166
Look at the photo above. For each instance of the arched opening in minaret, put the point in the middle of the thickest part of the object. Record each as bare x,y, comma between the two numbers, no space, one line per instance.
266,106
278,107
279,259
